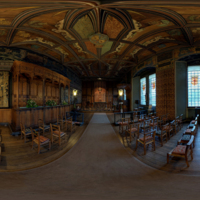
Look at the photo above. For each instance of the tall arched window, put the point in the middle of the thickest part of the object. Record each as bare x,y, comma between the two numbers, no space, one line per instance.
152,90
143,91
193,86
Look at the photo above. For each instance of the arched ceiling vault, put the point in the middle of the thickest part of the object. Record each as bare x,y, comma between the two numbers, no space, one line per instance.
96,38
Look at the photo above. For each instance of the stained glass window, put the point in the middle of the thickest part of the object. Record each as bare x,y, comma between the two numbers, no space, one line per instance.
193,86
152,90
143,91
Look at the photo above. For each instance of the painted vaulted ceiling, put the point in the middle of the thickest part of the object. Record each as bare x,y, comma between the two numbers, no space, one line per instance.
97,38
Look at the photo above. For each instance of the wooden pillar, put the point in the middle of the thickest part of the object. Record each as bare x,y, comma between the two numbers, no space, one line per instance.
59,95
17,92
43,98
69,94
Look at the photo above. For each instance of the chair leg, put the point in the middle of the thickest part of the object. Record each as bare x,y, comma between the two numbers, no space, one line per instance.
39,149
144,149
186,159
161,140
49,145
167,158
136,145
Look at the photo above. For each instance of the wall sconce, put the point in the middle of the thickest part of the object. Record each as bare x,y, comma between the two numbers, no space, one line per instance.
75,92
120,92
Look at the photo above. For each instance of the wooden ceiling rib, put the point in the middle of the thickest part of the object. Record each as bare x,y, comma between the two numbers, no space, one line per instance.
61,29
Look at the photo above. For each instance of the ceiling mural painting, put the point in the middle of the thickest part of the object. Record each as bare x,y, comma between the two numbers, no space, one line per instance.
97,39
112,27
3,35
84,27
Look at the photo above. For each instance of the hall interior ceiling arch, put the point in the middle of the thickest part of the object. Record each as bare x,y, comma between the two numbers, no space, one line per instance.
97,38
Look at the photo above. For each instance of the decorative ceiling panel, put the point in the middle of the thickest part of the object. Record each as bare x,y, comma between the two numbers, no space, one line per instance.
84,27
163,46
98,39
112,27
54,54
144,23
29,37
3,35
80,52
51,23
8,14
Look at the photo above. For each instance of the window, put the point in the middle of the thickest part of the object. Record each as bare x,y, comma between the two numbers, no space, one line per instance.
193,86
143,91
152,90
124,94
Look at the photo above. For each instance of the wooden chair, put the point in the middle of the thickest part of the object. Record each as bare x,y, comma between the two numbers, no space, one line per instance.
174,124
135,118
167,127
56,133
185,138
147,139
154,123
191,131
133,131
180,122
145,125
24,132
43,126
182,151
123,125
165,118
40,140
161,134
70,125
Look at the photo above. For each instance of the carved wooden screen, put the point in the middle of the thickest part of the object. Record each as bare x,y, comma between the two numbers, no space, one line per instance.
4,89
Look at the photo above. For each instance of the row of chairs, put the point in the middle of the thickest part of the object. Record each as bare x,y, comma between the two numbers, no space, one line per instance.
186,143
150,126
58,132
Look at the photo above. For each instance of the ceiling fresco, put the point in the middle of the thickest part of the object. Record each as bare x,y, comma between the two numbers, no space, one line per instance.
96,38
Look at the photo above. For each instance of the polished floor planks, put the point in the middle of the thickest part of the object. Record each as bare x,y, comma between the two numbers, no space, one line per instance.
158,158
17,155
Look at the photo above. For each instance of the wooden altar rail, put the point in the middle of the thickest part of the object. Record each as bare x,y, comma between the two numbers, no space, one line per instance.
30,116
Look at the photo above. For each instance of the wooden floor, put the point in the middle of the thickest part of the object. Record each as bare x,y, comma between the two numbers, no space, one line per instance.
158,158
17,155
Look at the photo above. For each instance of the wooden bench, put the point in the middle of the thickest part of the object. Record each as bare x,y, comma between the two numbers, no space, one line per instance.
182,151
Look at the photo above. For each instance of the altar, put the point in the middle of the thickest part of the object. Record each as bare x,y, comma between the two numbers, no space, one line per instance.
100,105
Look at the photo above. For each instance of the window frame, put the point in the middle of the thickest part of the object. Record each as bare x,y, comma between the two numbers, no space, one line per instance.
145,92
188,87
150,87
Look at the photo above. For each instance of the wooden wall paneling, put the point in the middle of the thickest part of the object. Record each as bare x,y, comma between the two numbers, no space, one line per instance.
5,115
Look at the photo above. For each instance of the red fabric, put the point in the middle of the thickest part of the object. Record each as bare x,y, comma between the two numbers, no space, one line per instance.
166,128
147,138
124,123
133,129
188,131
153,124
42,139
180,149
140,120
57,133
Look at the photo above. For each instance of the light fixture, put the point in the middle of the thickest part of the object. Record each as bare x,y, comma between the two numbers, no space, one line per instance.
120,92
75,92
